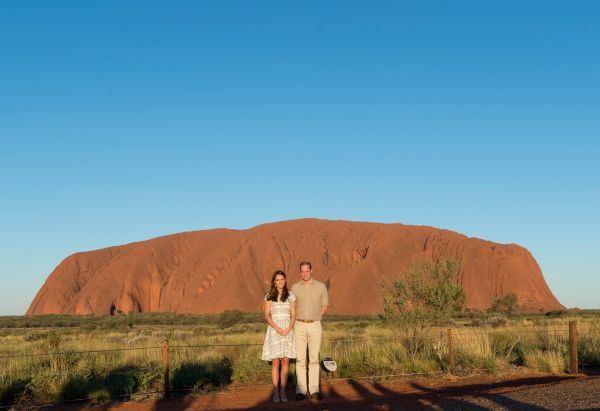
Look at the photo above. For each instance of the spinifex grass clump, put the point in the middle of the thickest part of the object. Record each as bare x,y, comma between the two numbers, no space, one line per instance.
475,352
589,346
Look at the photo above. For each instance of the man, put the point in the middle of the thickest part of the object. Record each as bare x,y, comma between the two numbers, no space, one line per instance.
312,301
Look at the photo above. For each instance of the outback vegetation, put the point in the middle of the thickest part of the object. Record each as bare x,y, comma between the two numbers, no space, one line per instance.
42,358
428,294
506,304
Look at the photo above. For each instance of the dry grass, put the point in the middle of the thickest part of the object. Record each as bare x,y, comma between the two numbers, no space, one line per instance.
545,361
361,348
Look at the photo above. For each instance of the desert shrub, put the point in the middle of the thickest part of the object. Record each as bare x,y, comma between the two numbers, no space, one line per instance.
469,314
505,304
429,294
557,313
44,386
476,322
497,321
52,340
229,318
117,323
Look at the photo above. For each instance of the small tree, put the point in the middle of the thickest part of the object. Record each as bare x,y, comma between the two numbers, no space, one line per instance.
429,293
506,304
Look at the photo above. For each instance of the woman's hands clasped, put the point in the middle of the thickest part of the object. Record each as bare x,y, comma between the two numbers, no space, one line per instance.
283,331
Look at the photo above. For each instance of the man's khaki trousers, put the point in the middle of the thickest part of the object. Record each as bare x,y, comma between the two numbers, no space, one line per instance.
307,335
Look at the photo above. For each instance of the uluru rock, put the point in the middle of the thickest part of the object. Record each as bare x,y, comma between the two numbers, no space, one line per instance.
211,271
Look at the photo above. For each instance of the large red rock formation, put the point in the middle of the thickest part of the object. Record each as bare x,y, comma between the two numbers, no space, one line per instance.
214,270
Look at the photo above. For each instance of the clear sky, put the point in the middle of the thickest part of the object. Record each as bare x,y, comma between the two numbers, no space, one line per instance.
122,120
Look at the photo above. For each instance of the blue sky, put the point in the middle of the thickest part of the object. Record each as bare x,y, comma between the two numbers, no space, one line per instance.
121,121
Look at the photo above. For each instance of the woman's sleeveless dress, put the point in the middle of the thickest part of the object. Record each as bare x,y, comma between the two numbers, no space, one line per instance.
278,346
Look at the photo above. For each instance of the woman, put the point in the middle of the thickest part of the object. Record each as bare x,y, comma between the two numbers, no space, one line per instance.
279,346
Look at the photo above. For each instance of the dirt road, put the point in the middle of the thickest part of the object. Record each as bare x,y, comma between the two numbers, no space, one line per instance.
521,392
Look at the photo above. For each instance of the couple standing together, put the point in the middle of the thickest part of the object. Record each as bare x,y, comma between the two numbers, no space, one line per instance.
294,318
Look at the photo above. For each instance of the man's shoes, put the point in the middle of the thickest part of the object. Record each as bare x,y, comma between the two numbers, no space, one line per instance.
300,396
316,396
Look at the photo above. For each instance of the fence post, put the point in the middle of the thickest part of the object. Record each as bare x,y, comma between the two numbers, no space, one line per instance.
450,352
166,367
573,345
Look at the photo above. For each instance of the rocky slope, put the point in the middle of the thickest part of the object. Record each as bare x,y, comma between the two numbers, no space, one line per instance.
213,270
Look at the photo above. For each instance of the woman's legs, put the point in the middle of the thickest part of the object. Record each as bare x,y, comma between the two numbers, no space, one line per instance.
285,362
275,377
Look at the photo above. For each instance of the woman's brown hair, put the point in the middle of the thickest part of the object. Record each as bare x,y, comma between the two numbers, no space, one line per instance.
274,293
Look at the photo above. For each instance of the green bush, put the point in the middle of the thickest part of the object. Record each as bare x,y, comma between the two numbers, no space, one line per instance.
428,294
505,304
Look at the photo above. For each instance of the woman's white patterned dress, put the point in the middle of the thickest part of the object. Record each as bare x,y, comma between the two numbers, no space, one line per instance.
278,346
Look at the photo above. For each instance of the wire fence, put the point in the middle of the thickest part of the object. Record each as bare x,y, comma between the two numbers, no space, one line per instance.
169,351
327,342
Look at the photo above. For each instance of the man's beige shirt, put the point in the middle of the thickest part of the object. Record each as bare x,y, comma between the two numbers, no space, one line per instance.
310,299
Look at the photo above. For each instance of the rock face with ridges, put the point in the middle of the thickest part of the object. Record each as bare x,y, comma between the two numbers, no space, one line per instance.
214,270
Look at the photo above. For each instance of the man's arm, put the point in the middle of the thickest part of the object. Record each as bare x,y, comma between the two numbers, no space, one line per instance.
323,310
324,300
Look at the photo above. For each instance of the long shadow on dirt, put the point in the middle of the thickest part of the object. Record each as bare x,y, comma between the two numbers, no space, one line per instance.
378,396
362,396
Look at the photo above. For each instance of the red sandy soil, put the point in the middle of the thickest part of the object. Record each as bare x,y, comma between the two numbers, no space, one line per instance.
211,271
523,391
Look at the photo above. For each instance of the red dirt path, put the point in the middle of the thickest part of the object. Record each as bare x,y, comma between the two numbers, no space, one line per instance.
476,392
